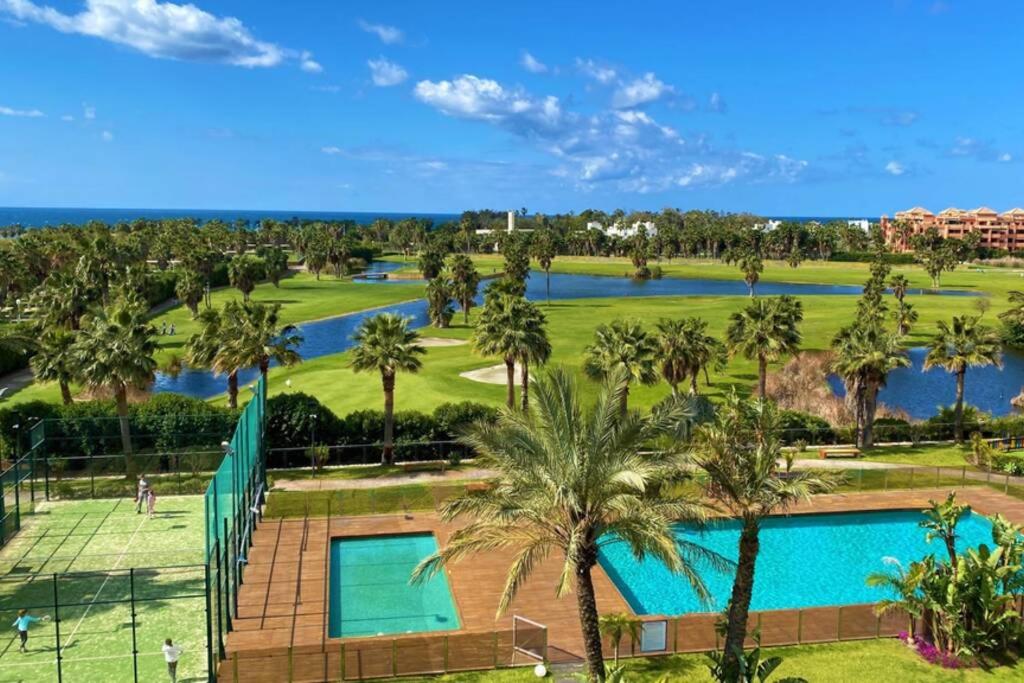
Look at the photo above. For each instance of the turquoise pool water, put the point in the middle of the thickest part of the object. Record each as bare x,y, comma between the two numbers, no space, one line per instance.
370,593
805,561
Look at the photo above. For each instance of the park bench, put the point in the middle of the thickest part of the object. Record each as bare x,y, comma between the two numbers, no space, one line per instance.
839,452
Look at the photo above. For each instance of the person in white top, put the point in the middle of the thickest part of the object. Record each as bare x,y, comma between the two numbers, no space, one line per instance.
141,493
171,653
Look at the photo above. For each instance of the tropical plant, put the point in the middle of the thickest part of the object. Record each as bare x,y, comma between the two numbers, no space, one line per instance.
385,344
905,317
750,264
55,361
275,264
902,588
617,626
439,302
431,262
570,476
746,667
513,328
244,271
544,247
203,347
190,288
114,350
739,452
765,331
940,520
962,343
255,338
465,280
622,345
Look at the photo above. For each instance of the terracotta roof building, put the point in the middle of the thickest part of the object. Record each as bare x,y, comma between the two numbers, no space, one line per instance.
998,230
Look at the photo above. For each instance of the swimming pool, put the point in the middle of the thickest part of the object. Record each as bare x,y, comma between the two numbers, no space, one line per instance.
370,593
805,561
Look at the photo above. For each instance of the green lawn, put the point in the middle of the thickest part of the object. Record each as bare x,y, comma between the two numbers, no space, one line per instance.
853,662
355,502
942,455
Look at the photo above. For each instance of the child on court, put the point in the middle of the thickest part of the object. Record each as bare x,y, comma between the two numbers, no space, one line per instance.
22,623
141,493
171,654
151,502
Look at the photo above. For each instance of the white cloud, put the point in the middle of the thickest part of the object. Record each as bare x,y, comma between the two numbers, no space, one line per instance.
626,147
590,68
640,91
332,150
107,136
532,64
1005,157
308,64
385,73
26,113
716,103
895,168
160,29
389,35
88,112
67,117
326,88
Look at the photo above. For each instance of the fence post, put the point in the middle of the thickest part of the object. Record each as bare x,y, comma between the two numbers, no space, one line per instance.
1006,486
135,642
342,666
495,649
211,671
799,627
234,669
46,476
394,657
446,654
92,476
56,626
839,623
878,625
291,670
17,500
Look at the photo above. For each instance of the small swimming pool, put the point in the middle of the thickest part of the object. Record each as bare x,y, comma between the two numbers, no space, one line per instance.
805,561
370,593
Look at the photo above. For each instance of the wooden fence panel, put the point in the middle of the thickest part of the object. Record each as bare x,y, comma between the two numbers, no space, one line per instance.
372,659
819,625
424,655
780,627
857,622
696,633
470,651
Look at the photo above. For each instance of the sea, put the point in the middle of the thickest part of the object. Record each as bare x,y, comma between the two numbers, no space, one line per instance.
36,217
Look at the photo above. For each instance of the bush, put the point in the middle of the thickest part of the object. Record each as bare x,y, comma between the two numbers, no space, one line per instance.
893,429
797,426
940,427
452,418
657,273
159,286
868,257
290,424
1008,463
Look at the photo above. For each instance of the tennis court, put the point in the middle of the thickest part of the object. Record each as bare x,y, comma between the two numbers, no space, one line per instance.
119,582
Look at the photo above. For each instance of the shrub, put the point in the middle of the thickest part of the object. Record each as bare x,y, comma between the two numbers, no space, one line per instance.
291,425
1009,463
657,272
452,418
940,427
893,429
797,426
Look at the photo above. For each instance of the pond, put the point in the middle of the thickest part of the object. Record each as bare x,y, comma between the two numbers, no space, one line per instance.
921,393
333,335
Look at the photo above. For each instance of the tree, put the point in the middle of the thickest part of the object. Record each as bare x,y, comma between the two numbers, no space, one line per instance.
940,520
617,626
385,344
244,271
935,253
685,350
465,280
864,355
439,302
255,338
960,344
567,474
622,345
513,328
749,263
190,288
54,360
545,247
765,331
115,350
315,254
517,259
905,317
202,348
1013,319
275,264
739,452
431,262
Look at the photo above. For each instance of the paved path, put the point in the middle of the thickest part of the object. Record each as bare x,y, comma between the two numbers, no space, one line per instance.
328,484
16,380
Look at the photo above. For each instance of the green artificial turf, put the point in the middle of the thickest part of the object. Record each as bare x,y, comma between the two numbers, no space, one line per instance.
83,542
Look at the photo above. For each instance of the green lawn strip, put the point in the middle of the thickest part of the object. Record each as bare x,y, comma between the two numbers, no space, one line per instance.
347,473
851,662
931,455
356,502
896,479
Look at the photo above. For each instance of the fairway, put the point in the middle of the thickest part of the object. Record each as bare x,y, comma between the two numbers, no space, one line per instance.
94,558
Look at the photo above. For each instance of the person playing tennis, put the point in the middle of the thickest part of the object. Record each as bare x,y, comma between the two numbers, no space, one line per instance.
141,494
171,654
22,623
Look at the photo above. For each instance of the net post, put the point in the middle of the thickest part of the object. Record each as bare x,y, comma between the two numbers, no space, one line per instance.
56,626
135,643
46,476
210,669
227,576
17,500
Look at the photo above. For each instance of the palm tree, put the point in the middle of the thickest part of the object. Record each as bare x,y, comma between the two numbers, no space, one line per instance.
864,355
256,337
675,355
55,360
899,285
961,344
513,328
439,301
569,478
749,263
190,288
545,248
465,280
905,316
617,626
203,347
739,452
765,331
905,584
625,345
940,520
384,343
244,271
115,350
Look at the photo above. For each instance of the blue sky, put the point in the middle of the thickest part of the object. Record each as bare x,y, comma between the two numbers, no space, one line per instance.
785,108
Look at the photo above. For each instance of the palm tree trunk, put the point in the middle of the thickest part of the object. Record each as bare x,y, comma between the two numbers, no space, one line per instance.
547,273
465,311
742,591
694,390
65,393
587,606
858,410
870,405
264,367
121,399
524,380
233,389
762,376
388,455
958,415
510,383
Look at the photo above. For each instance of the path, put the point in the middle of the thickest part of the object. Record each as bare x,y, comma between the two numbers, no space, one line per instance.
329,484
15,381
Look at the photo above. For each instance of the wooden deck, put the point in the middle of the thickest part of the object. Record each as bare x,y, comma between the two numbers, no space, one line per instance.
282,602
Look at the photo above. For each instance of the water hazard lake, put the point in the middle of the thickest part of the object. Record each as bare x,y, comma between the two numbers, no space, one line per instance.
334,335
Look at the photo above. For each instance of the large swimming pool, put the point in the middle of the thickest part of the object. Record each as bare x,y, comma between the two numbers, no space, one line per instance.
370,593
805,561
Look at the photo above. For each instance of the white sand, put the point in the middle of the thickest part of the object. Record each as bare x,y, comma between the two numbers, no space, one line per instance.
492,375
440,341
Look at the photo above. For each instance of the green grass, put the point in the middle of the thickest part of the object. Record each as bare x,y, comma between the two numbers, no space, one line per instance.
852,662
942,455
384,500
95,615
346,473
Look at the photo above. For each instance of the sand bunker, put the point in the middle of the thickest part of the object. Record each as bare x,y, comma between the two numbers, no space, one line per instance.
440,341
492,375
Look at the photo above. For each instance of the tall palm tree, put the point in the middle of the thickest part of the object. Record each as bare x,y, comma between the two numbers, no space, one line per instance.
439,301
513,328
750,264
765,331
739,452
622,345
203,347
899,285
864,355
962,343
385,344
905,316
465,280
115,350
544,248
257,337
189,289
54,360
569,478
244,271
674,352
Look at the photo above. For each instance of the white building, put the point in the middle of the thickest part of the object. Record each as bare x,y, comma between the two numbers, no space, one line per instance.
618,230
